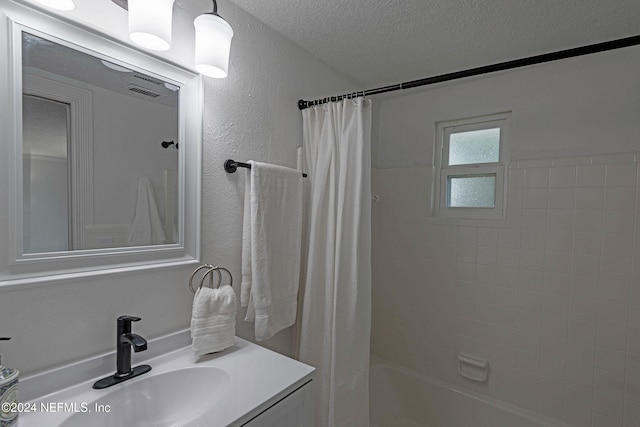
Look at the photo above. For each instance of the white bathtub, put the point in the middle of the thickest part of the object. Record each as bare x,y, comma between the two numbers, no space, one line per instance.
400,397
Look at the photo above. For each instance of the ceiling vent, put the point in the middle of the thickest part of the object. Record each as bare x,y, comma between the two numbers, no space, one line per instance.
148,79
142,91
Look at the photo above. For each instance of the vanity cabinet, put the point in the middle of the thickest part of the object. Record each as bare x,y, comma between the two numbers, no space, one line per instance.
294,410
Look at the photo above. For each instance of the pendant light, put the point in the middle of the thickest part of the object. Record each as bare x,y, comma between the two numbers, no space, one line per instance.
58,4
150,23
213,44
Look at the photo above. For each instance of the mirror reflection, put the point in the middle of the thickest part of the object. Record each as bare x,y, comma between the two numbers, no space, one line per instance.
100,152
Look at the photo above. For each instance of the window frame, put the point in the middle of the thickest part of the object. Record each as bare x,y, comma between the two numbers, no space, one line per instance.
443,171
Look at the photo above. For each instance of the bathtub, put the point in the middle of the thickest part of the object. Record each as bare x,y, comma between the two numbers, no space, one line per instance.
400,397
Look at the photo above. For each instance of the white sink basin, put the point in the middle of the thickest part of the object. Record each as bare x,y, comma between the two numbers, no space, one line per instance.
226,389
173,398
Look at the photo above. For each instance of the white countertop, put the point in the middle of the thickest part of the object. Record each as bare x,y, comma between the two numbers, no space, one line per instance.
259,378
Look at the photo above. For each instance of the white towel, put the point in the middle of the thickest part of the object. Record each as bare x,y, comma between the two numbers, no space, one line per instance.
147,228
272,237
213,319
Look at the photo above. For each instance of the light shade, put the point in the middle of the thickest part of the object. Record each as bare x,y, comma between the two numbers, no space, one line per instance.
59,4
150,23
213,44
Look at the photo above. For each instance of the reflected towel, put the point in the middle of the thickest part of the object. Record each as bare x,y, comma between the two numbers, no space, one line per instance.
213,319
147,228
272,238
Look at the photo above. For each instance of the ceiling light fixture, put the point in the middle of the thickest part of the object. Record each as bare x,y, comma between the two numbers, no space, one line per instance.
150,23
213,44
150,27
59,4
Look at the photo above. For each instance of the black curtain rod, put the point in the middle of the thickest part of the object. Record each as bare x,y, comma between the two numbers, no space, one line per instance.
508,65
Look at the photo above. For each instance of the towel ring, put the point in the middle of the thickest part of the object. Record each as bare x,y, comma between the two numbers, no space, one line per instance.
217,270
210,269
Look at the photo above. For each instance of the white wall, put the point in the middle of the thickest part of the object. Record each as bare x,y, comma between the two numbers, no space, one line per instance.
579,106
250,115
550,296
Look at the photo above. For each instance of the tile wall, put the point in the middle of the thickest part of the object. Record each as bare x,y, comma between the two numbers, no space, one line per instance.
550,296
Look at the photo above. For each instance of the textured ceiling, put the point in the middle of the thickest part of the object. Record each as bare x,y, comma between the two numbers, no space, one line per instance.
379,42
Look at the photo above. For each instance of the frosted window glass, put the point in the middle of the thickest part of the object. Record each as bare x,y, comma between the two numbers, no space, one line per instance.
477,146
472,191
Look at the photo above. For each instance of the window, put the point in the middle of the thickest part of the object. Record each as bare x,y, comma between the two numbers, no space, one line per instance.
471,158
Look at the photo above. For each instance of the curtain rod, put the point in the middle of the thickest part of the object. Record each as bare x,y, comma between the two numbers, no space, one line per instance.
501,66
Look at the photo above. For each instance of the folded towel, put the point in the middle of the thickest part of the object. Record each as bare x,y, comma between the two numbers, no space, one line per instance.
213,319
272,238
147,228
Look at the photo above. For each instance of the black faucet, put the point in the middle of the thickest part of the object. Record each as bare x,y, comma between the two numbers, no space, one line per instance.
125,341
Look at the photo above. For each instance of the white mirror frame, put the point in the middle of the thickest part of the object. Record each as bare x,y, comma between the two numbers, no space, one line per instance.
17,269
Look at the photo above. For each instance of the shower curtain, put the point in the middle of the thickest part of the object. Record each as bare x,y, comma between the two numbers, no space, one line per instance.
336,315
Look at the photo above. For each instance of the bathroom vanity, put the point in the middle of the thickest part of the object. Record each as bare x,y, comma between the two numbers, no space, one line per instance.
245,385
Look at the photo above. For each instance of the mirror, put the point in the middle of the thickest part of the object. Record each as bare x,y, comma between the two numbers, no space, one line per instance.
130,158
102,164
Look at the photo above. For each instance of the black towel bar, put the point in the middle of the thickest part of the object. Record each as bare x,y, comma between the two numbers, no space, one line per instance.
231,166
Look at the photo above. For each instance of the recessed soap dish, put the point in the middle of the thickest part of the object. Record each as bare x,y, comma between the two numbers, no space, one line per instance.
473,368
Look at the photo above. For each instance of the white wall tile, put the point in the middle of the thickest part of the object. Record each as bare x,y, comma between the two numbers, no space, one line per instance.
585,310
532,240
622,175
589,198
559,284
586,266
584,287
623,198
601,420
617,244
580,375
561,198
588,243
467,235
560,219
509,238
610,359
616,268
536,177
580,397
609,382
553,346
551,296
631,413
611,336
535,219
555,305
562,176
632,388
590,175
555,326
616,221
584,332
577,417
559,241
590,221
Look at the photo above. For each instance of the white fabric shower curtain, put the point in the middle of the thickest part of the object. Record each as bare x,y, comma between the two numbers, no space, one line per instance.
336,316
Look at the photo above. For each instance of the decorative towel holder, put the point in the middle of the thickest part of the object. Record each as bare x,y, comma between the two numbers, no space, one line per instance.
210,269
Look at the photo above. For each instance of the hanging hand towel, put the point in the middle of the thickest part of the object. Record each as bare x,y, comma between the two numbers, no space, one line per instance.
245,285
213,319
147,228
272,236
